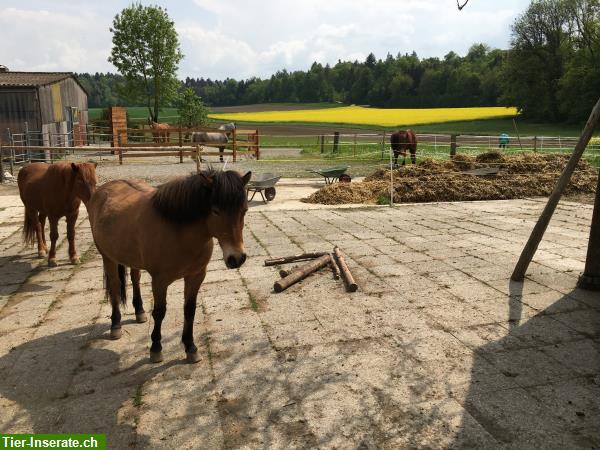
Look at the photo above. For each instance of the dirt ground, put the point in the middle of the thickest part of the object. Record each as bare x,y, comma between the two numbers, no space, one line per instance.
437,349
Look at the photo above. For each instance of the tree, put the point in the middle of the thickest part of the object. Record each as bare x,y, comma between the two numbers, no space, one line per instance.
146,52
192,112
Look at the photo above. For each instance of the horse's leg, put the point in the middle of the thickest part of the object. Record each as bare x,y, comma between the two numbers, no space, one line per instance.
42,219
413,155
140,314
396,153
71,220
113,287
53,237
159,290
192,284
403,157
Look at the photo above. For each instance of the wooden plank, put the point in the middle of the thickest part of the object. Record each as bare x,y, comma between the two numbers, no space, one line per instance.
301,273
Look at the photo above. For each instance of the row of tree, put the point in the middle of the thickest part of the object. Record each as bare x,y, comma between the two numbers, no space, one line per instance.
551,72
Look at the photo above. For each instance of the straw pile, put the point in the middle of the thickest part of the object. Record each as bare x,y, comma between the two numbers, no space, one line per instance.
526,175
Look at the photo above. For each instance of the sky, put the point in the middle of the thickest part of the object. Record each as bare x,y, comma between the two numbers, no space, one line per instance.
243,39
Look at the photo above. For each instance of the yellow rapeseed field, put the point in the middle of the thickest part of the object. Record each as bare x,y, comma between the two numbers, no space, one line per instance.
357,115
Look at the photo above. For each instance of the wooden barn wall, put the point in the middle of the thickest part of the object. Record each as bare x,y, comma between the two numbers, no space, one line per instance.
18,106
53,105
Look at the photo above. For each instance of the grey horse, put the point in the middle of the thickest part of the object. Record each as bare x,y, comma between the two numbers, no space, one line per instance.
215,138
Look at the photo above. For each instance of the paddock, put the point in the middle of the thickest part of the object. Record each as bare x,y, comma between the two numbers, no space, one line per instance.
437,348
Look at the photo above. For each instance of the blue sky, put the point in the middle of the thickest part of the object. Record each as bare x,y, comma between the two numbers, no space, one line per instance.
241,39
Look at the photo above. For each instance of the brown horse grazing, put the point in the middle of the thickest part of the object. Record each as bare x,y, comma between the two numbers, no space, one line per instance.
54,191
160,131
168,232
401,141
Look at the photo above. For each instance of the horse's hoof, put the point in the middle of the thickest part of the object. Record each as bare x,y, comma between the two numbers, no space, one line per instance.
156,357
52,263
116,333
42,254
75,261
141,317
192,357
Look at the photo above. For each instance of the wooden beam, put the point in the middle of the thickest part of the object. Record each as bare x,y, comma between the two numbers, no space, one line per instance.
301,272
590,279
351,285
289,259
540,227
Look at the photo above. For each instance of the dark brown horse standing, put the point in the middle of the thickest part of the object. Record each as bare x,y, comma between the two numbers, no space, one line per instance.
53,191
402,141
168,232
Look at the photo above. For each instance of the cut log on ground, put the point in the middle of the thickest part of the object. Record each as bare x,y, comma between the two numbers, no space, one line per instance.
351,285
301,273
289,259
334,267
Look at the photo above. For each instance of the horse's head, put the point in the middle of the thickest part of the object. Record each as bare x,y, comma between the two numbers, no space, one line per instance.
218,199
225,221
227,127
84,184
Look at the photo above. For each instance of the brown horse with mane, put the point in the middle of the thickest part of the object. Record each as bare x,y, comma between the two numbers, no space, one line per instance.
402,141
53,191
167,231
160,131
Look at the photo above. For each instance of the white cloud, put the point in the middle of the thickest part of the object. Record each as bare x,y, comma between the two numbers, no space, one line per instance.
240,39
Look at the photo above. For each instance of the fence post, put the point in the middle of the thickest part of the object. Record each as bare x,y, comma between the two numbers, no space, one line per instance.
120,149
234,145
355,145
336,141
382,145
1,164
11,152
453,145
322,139
590,279
534,144
257,140
27,141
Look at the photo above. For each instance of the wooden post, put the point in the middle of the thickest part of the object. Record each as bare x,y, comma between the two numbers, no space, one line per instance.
120,149
351,285
257,145
234,145
590,279
354,148
1,164
534,144
336,141
453,145
301,273
382,145
198,147
322,138
334,268
544,220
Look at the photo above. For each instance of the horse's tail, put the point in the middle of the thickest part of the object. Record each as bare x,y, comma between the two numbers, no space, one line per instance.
29,230
122,271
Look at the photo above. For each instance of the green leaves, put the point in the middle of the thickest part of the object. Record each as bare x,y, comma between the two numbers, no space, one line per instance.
146,52
192,112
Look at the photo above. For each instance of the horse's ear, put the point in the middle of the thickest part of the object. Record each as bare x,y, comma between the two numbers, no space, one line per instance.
246,178
75,167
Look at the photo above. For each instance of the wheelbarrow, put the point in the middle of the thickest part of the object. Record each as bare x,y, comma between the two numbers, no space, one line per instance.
264,184
333,174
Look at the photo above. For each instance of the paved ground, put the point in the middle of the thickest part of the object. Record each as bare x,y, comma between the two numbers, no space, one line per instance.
437,349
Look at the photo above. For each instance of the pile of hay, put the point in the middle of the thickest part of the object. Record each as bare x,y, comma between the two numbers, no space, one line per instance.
519,176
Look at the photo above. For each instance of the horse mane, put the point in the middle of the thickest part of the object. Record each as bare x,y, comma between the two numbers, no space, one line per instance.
191,198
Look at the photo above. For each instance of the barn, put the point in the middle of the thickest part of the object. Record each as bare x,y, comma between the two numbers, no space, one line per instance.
52,106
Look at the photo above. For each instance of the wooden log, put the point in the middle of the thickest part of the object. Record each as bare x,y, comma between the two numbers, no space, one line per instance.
301,273
285,272
289,259
334,268
351,285
540,227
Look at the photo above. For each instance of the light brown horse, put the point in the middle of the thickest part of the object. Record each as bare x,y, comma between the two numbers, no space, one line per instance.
53,191
168,232
160,131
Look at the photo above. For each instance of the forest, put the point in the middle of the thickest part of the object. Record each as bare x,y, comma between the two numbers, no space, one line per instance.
551,72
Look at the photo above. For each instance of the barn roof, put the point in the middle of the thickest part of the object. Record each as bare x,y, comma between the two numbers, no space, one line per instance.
31,79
